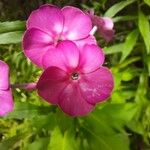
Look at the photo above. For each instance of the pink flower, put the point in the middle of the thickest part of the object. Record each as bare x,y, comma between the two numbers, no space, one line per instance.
6,100
49,24
104,26
74,79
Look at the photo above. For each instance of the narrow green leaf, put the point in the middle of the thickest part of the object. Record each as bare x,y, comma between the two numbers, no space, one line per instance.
112,11
144,28
113,49
129,44
11,37
147,2
124,18
147,60
128,62
12,26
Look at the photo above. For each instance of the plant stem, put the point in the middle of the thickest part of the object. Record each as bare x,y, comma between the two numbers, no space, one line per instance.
26,86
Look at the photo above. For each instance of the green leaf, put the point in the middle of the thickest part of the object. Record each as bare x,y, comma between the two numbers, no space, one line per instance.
111,142
11,37
27,110
124,18
100,131
96,120
136,126
111,12
129,73
147,2
144,28
40,144
12,26
64,121
62,142
113,49
147,60
128,62
129,44
123,112
47,122
114,113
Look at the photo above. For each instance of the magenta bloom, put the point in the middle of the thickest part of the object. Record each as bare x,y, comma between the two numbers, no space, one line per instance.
49,24
74,79
6,100
104,26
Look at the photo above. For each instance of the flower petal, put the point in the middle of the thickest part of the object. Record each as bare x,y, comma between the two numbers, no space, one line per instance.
107,34
6,102
108,23
105,26
35,45
72,102
77,24
51,83
91,58
97,86
4,76
48,18
65,56
88,40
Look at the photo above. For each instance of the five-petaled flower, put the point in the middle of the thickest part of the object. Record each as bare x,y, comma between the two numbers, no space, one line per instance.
74,79
49,24
6,100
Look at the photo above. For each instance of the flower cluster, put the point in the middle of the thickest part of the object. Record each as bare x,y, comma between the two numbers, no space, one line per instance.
61,42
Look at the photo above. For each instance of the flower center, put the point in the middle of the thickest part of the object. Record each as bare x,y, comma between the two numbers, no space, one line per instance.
75,76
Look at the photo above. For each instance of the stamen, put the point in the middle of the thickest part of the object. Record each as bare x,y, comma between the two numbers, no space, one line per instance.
75,76
94,29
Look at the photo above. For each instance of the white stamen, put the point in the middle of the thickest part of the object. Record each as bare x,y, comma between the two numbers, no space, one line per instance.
94,29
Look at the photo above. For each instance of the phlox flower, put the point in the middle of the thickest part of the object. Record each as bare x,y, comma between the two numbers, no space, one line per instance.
49,24
104,25
6,100
74,79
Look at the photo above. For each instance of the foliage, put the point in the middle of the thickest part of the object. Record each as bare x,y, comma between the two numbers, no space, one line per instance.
122,123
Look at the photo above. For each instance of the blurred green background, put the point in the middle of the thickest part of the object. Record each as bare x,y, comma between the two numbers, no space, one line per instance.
121,123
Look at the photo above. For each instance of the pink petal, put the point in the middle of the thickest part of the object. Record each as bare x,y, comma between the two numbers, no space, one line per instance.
107,34
51,83
77,24
88,40
91,58
97,86
48,18
72,102
65,56
35,44
108,23
6,102
4,76
105,26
